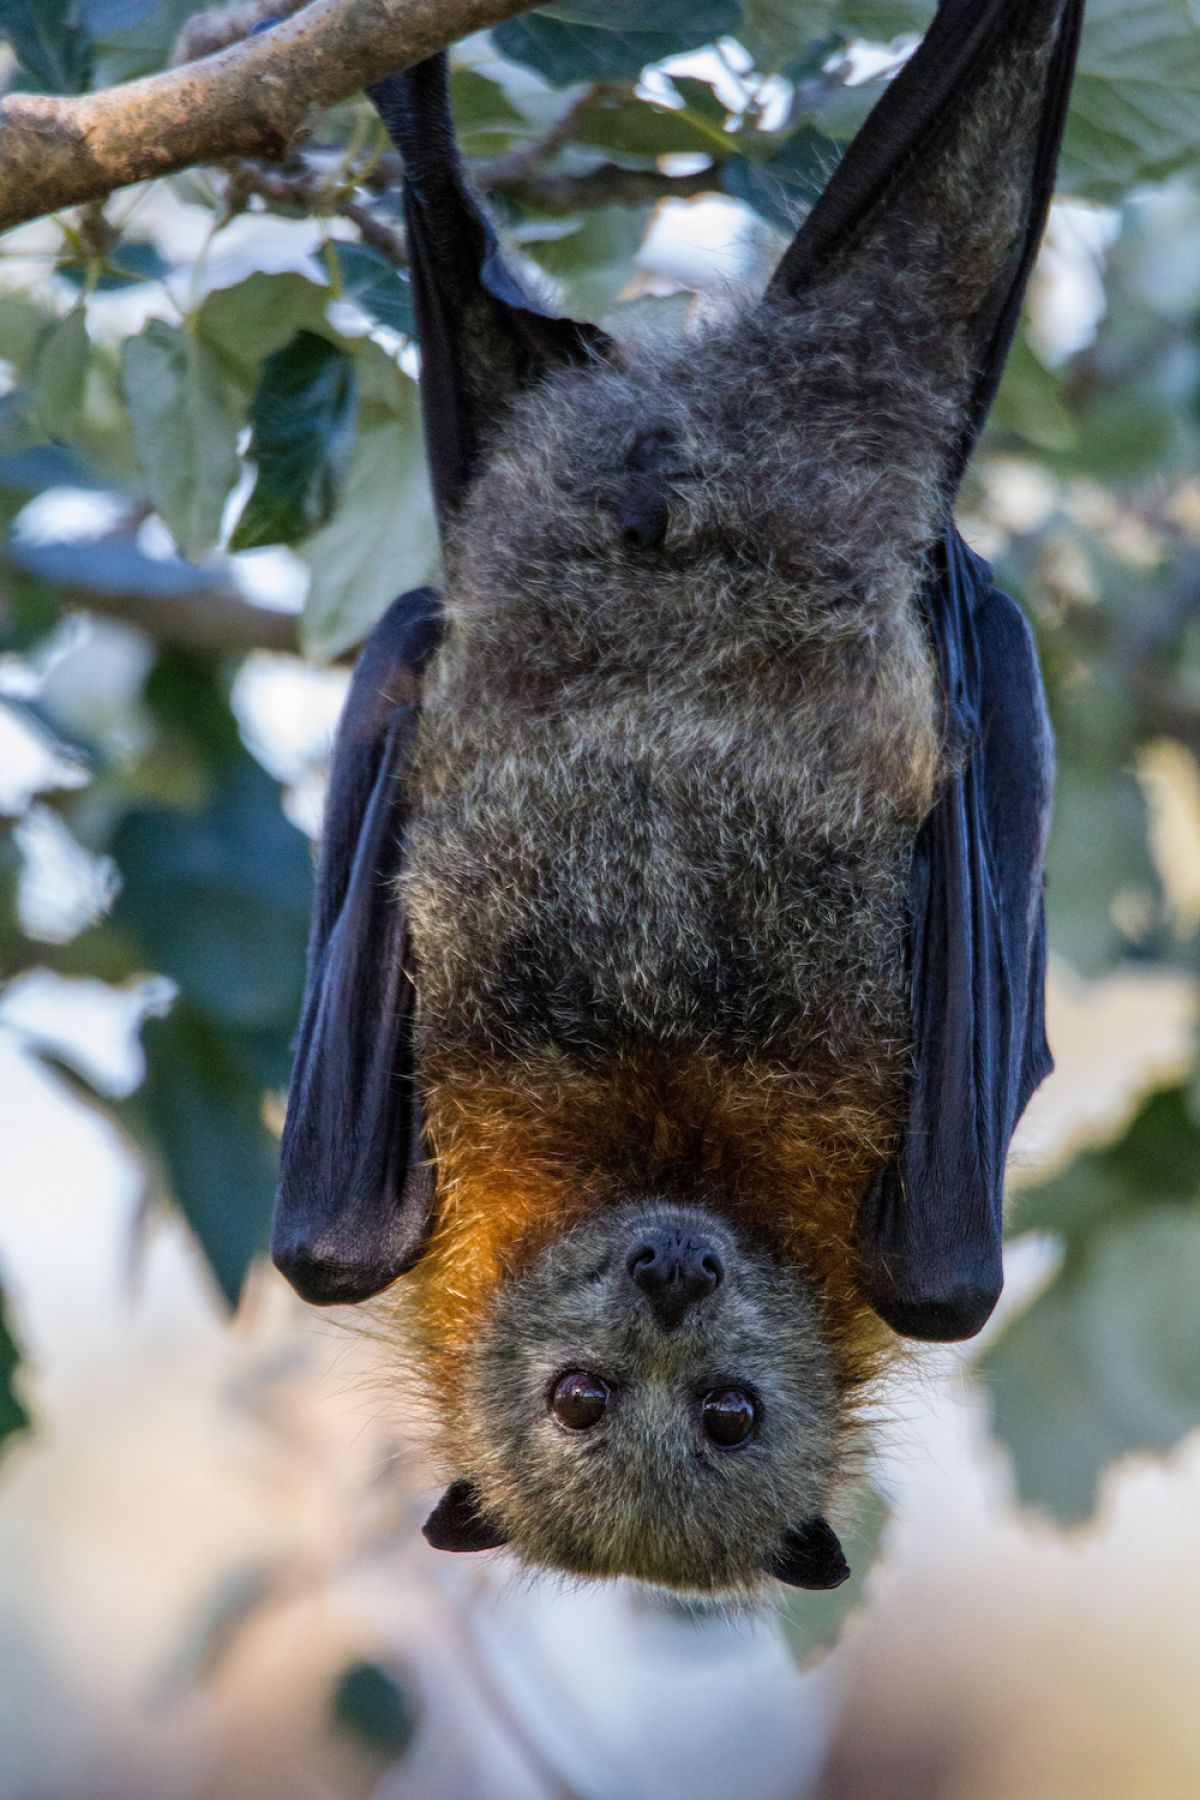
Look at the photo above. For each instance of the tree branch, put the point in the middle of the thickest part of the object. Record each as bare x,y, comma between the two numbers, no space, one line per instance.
253,98
213,621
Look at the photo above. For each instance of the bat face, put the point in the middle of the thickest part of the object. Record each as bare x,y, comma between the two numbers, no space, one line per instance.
653,1397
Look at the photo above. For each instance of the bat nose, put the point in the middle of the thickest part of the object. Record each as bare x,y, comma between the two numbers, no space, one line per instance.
675,1269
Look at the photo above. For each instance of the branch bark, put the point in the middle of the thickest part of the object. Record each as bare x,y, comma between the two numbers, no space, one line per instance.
213,621
253,98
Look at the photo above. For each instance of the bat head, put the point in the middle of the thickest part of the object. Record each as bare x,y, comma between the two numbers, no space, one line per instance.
652,1397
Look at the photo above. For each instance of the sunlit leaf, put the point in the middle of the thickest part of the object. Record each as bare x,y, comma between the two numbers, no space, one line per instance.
185,430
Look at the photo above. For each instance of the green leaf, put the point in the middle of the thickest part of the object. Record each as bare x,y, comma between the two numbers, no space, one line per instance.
633,130
372,283
595,260
611,40
784,188
200,1113
302,434
13,1416
1030,403
248,322
185,431
218,899
485,119
1136,96
370,1704
1155,1163
134,37
127,264
381,539
1106,1362
51,42
24,323
812,1623
60,373
1102,890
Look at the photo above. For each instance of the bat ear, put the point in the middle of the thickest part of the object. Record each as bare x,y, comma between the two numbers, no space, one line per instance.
355,1186
810,1557
483,337
458,1522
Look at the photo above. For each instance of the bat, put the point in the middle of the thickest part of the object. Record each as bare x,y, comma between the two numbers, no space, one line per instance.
677,961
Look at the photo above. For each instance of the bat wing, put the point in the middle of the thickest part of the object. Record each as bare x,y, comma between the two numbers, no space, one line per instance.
354,1189
930,1225
483,337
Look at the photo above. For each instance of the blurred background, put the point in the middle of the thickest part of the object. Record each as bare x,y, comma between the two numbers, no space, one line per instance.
211,1582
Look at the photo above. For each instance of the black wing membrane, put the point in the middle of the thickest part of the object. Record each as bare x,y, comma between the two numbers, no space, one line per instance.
930,1226
355,1188
931,1223
482,336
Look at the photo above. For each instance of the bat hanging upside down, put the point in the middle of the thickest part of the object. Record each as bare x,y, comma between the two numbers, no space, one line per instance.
676,971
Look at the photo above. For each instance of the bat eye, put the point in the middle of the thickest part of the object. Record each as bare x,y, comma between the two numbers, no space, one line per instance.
579,1400
729,1416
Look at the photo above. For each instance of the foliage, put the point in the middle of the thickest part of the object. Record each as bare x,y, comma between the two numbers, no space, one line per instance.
376,1708
245,405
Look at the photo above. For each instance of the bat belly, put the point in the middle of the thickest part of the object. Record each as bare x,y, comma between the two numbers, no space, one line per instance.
628,881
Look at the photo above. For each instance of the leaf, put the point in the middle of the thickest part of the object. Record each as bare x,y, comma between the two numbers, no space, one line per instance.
1136,96
634,130
218,899
1155,1163
610,40
382,292
184,429
248,322
199,1110
381,539
13,1416
595,260
134,37
127,264
1102,890
51,42
812,1623
60,372
370,1704
302,435
784,188
24,323
1106,1362
1030,403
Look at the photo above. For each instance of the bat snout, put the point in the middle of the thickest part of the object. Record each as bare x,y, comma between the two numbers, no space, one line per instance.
675,1269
